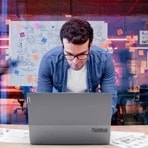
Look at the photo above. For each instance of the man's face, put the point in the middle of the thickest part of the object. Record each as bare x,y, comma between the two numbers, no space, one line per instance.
76,55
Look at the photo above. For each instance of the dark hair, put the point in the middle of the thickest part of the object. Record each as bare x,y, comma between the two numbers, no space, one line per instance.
77,31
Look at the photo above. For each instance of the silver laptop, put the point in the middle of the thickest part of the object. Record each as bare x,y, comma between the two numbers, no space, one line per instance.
69,118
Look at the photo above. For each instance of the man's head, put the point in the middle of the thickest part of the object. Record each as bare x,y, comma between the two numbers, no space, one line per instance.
76,36
77,31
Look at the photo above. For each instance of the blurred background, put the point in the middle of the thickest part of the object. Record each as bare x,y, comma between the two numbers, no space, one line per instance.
127,41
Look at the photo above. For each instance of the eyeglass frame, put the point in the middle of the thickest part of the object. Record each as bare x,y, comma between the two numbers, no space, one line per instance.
76,56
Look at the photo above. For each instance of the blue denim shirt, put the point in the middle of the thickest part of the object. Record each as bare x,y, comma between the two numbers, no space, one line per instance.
100,72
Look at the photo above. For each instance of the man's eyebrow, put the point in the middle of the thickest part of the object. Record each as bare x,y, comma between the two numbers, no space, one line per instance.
68,53
77,54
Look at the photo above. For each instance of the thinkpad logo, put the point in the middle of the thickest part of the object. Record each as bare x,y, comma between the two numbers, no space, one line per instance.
100,130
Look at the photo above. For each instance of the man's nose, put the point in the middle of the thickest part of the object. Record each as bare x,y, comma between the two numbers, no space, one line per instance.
75,60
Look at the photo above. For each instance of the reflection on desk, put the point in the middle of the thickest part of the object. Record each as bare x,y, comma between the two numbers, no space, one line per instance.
138,128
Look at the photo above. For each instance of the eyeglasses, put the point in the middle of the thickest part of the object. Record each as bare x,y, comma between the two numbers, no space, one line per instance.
79,56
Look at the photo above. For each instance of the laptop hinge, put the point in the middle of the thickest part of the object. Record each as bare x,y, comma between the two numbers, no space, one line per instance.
28,100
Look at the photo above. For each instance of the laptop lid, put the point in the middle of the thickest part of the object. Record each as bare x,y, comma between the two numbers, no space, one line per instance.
69,118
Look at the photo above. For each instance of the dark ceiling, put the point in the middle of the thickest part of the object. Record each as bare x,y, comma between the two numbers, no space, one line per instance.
74,7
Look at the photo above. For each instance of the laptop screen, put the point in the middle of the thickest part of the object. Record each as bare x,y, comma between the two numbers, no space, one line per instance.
74,115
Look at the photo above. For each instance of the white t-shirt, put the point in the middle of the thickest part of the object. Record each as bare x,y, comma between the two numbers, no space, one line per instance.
76,80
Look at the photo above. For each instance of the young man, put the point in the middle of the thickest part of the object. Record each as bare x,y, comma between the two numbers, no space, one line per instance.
77,66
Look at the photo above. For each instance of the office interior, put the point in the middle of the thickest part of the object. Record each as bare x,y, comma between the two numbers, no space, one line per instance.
127,42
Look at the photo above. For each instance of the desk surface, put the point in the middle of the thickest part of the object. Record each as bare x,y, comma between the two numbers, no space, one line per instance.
135,128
